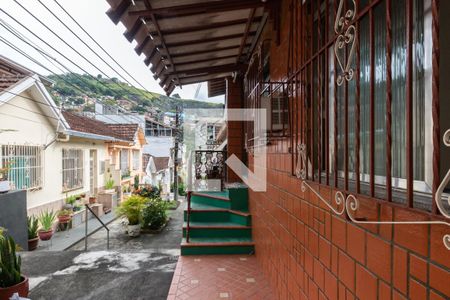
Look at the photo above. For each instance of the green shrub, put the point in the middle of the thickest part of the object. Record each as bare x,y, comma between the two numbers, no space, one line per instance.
148,191
46,219
181,189
33,224
10,263
154,214
132,209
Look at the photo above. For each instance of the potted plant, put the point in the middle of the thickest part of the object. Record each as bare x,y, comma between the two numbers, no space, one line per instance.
92,200
11,280
70,202
154,214
4,182
46,219
33,239
109,186
64,216
131,208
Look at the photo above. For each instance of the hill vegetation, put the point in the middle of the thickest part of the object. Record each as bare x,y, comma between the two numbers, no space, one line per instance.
110,90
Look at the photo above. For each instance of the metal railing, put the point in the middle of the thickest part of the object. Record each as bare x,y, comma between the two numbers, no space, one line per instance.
205,165
86,228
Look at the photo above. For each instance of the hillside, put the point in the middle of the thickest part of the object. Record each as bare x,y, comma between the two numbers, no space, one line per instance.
111,90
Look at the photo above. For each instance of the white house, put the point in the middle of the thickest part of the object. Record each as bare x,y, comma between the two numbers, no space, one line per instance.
47,157
158,172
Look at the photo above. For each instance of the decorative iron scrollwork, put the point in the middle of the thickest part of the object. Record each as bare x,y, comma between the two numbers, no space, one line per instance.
346,35
300,170
350,204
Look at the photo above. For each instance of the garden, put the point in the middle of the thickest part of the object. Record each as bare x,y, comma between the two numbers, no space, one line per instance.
144,211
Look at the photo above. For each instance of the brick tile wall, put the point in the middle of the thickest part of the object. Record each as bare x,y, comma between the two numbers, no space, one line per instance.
307,252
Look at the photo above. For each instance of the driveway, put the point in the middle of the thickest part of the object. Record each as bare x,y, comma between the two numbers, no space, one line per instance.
133,268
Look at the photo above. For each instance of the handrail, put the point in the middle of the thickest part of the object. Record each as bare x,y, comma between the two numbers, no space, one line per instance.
86,228
188,215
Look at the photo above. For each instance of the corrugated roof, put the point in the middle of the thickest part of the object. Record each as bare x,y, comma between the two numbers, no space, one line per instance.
191,41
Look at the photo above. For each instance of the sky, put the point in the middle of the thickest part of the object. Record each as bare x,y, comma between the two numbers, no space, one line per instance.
91,15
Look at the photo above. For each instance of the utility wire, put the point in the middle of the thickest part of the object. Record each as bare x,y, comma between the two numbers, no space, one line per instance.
71,47
100,46
33,60
120,86
41,65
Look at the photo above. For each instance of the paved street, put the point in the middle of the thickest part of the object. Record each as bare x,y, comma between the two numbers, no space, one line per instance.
133,268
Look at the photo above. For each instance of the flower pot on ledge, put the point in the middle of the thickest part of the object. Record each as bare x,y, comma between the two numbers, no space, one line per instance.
33,243
45,235
21,288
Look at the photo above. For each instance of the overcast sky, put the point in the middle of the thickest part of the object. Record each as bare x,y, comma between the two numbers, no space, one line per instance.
91,15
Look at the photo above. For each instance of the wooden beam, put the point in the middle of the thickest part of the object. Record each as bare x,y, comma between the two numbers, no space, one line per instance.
246,33
190,29
116,14
205,60
199,8
158,29
140,48
130,34
149,57
208,70
214,39
178,55
195,79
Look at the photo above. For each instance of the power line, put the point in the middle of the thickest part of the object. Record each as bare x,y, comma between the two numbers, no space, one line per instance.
100,46
71,47
30,58
38,63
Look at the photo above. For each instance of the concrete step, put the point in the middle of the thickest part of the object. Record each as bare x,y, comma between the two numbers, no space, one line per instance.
205,246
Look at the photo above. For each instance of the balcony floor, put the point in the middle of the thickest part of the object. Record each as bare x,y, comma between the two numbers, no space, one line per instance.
219,277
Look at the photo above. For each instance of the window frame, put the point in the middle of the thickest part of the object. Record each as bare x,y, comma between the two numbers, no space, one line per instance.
76,167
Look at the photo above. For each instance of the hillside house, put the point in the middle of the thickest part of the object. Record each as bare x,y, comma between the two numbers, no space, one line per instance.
50,153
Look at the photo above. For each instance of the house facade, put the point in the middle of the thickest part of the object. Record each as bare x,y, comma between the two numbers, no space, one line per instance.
47,150
357,137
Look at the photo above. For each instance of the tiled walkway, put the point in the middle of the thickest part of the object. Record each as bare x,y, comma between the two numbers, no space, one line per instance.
219,277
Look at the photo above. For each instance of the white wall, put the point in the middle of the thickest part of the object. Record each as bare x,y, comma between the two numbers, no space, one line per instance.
35,129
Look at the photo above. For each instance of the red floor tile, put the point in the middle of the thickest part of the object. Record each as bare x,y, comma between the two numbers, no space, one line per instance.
203,277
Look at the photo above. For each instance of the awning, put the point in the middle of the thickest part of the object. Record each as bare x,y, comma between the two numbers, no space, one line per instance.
191,41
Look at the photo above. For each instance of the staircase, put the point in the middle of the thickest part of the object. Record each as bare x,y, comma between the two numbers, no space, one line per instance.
219,223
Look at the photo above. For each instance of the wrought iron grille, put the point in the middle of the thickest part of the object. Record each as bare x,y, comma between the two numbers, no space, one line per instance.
209,165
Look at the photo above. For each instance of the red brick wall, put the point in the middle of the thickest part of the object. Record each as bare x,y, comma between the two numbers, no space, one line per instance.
308,252
235,129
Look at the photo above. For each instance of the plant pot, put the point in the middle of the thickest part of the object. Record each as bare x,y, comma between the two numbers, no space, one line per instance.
33,243
4,186
64,219
134,230
21,288
45,235
92,200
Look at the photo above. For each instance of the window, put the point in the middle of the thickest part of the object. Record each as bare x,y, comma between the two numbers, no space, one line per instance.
124,163
349,98
72,168
136,159
25,166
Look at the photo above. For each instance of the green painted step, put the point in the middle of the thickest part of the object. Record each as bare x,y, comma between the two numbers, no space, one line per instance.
219,232
205,246
218,216
212,199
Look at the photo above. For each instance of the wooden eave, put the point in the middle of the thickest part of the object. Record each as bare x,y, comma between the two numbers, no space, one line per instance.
191,41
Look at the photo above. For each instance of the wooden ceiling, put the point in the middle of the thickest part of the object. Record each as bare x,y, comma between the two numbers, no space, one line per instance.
191,41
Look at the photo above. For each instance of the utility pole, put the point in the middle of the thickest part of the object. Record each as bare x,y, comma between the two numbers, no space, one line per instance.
175,155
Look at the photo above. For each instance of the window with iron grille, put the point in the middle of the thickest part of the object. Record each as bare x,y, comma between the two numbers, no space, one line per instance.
24,165
72,168
261,93
136,159
124,163
364,91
